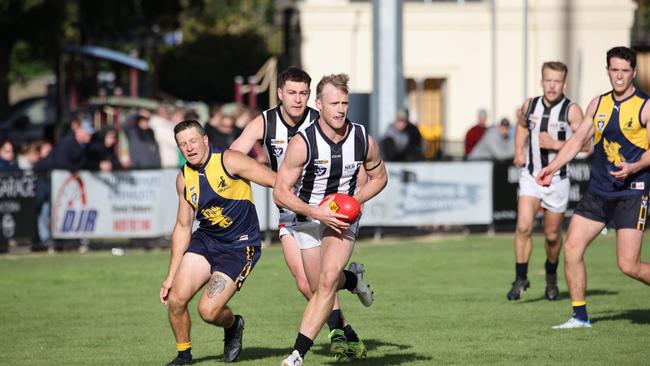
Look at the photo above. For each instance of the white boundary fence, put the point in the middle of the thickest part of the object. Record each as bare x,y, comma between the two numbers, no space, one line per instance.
139,204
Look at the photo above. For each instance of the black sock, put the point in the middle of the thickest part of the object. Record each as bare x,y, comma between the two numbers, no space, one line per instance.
551,268
335,320
350,280
521,269
350,334
186,354
303,344
229,331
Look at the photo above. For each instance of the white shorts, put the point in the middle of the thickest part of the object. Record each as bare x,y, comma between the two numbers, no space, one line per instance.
554,198
309,233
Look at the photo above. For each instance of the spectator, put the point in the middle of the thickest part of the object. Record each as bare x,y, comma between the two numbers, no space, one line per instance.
101,154
144,152
7,157
402,140
29,155
163,129
70,152
221,129
496,143
474,134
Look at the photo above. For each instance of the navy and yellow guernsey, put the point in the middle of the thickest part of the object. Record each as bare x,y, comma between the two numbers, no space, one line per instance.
223,203
619,137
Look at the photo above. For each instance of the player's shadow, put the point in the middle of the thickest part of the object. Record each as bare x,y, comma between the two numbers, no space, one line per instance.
564,295
250,353
636,316
386,359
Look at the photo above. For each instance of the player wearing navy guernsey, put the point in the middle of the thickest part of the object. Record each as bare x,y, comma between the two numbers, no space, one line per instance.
620,178
214,186
545,123
275,127
325,158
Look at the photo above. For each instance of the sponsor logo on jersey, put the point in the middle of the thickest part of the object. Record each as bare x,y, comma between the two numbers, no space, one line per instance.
638,186
216,216
222,185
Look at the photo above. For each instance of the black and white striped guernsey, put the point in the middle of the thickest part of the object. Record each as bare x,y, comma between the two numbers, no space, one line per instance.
331,167
277,133
552,119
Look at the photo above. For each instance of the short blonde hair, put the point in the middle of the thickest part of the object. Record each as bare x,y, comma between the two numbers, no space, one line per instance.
339,81
555,66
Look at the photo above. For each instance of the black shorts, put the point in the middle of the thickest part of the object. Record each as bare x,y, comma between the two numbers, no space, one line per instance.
236,263
625,212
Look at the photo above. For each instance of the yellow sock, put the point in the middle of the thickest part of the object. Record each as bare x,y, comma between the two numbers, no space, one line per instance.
183,346
578,303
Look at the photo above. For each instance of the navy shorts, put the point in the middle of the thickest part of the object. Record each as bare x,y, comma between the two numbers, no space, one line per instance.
236,263
625,212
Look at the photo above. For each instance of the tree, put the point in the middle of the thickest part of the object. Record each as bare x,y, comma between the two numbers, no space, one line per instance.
36,26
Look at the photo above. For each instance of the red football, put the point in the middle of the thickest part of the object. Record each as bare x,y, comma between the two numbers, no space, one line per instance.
344,204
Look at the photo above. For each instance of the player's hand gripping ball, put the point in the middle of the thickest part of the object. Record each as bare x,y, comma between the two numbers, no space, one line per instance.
343,204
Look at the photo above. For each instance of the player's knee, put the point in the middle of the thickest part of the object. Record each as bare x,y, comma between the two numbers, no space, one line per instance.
629,268
329,281
552,237
524,229
209,313
572,253
176,304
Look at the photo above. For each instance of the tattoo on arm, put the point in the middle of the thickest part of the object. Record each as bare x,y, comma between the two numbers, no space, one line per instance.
216,286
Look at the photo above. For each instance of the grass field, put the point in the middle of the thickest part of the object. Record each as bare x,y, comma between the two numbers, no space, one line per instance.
438,301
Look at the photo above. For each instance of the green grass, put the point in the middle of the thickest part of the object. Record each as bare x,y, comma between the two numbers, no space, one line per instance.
438,301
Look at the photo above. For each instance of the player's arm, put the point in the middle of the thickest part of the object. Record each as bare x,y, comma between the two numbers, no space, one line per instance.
180,237
625,168
572,146
288,174
521,133
253,132
236,163
575,119
375,170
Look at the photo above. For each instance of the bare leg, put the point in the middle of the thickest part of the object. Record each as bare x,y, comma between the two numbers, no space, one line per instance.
192,274
337,250
628,253
581,232
553,234
293,258
527,207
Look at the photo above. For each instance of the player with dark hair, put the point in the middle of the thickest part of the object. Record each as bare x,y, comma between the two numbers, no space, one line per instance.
325,159
545,123
275,127
213,185
620,179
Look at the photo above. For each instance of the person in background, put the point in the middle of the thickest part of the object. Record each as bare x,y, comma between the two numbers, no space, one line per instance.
7,157
545,123
402,140
475,133
496,143
144,152
101,153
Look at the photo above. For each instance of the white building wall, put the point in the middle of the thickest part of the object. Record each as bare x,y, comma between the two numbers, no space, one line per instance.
454,42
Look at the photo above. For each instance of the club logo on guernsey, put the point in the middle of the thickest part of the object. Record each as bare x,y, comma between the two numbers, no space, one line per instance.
321,167
628,125
601,121
531,124
276,146
194,198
